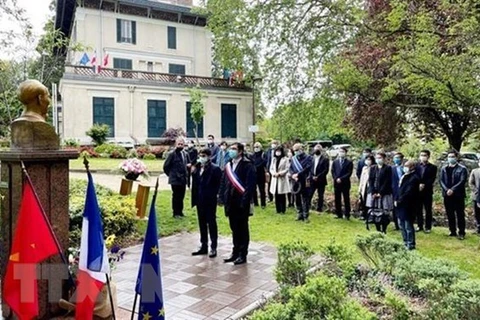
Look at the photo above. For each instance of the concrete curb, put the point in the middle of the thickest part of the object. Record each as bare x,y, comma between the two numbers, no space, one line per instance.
112,172
267,297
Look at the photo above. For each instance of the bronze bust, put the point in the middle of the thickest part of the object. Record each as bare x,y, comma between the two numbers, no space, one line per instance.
30,130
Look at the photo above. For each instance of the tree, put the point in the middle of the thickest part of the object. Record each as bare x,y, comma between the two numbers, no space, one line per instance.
197,109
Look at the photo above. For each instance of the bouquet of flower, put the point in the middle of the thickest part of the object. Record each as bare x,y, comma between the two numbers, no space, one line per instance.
132,168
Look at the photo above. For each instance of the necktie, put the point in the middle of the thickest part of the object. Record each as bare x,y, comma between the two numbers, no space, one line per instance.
341,163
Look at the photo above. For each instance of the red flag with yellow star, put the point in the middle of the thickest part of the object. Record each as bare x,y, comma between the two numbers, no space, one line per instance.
33,241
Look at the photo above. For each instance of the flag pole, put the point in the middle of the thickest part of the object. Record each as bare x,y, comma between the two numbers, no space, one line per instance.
62,255
87,167
136,294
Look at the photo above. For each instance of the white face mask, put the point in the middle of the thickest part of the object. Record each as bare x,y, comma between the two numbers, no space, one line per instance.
278,153
223,147
256,149
423,159
210,141
273,145
406,170
190,145
341,154
368,163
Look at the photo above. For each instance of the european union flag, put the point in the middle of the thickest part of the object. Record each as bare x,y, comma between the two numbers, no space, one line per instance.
149,280
85,59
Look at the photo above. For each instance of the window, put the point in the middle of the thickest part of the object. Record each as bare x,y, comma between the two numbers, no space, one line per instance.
104,113
176,68
229,120
191,124
122,63
172,37
126,31
157,118
150,66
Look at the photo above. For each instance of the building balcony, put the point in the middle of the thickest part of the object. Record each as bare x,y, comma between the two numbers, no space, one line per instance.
75,72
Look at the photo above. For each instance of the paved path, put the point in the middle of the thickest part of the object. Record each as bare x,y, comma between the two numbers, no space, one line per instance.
199,287
113,181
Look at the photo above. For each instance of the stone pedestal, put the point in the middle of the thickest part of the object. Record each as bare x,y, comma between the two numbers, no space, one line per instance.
49,173
126,187
142,200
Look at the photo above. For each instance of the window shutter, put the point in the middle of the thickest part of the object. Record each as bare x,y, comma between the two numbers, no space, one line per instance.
134,32
172,38
119,30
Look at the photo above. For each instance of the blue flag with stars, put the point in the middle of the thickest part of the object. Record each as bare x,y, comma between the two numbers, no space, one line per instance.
149,280
85,59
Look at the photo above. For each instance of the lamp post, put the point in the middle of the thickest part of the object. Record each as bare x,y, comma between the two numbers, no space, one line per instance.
254,115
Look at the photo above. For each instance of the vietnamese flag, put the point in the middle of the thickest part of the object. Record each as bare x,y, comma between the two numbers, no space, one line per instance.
33,242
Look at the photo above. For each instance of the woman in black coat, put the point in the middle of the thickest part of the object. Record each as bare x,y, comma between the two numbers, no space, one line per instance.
406,204
380,193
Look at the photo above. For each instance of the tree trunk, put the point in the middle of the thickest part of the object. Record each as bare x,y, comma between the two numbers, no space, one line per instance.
195,131
455,140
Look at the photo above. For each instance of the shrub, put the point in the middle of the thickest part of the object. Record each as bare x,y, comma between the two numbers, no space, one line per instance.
142,150
171,134
88,152
342,257
112,151
398,306
71,143
293,263
159,151
98,133
463,300
380,251
274,311
132,153
149,156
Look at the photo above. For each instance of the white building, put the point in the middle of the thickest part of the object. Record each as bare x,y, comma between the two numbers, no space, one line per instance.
153,51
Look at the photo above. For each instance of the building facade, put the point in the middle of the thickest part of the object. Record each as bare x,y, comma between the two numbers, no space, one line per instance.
147,54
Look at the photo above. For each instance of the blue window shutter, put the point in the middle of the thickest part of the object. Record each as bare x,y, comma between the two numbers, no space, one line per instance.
176,68
134,32
104,113
172,37
119,30
122,64
157,118
229,120
191,124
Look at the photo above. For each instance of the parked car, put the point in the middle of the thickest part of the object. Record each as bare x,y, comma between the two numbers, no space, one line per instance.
126,143
324,143
468,159
333,151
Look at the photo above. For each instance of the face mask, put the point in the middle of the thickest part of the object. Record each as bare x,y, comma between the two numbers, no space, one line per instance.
379,161
341,154
273,145
278,153
290,155
180,148
397,161
452,161
298,152
423,159
257,149
406,170
318,152
190,145
368,163
202,160
210,141
365,154
233,154
223,147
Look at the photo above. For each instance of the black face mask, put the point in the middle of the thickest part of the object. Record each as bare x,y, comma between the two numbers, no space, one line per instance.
318,152
179,148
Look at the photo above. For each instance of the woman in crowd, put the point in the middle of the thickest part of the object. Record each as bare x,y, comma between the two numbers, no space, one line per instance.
380,192
363,186
290,195
280,185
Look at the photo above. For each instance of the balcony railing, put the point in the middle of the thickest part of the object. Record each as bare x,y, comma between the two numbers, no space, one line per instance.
156,77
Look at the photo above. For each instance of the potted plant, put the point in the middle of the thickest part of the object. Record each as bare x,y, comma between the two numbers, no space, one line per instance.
133,168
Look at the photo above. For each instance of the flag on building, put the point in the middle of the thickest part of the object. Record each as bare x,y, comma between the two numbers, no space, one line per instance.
93,265
85,59
149,280
105,61
96,66
33,242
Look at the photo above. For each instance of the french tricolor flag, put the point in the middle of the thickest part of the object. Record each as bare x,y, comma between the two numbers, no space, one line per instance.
93,266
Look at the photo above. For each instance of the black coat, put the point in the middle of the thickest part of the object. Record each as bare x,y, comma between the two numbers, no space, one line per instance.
460,177
233,200
407,197
321,170
175,167
205,186
342,172
306,162
427,176
380,180
270,154
193,155
260,162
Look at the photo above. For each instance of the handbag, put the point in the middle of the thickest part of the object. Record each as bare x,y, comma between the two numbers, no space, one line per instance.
377,215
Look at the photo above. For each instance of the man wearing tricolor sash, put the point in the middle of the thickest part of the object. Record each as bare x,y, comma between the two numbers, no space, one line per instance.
240,181
300,171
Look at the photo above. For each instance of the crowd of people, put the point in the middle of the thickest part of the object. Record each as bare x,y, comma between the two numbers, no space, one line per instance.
227,175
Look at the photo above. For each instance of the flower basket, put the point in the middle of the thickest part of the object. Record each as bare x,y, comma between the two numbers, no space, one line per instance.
132,176
133,168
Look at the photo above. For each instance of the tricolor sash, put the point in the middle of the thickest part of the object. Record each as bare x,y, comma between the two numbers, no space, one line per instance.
233,178
297,166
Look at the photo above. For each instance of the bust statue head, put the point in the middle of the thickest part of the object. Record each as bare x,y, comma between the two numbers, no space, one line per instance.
34,96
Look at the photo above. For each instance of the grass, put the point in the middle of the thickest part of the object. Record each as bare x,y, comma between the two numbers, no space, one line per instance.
112,164
267,226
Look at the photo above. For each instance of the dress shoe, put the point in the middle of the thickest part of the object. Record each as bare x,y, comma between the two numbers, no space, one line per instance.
299,217
452,235
199,252
337,217
232,258
427,231
461,237
240,260
213,253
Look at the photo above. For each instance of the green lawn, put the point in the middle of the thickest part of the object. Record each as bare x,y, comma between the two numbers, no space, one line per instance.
112,164
270,227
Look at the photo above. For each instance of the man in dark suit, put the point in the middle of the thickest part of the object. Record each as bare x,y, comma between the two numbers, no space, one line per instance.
453,178
176,168
318,173
240,183
193,155
397,173
206,179
270,154
427,173
342,169
406,203
212,146
361,163
259,160
300,168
